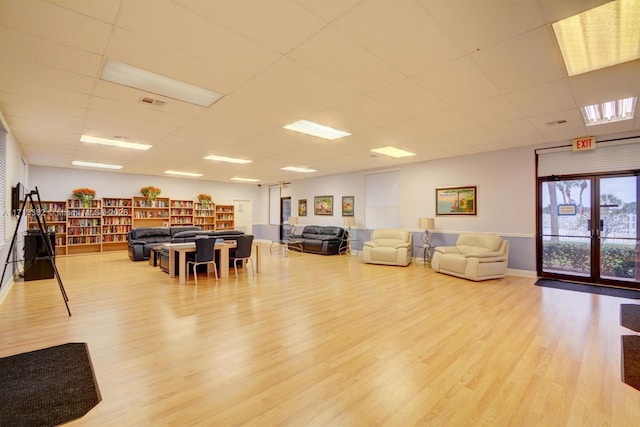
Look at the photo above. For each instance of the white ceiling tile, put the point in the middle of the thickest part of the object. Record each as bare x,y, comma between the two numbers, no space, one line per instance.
59,25
527,60
341,59
280,25
405,34
409,98
298,80
478,24
458,82
493,110
553,96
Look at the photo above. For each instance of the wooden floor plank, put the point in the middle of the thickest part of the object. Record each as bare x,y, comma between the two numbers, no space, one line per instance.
328,340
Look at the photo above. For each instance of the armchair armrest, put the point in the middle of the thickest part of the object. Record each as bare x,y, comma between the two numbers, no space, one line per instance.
402,245
371,244
487,254
137,242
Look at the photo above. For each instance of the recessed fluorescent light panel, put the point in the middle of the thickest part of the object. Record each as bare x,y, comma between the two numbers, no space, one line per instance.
228,159
297,169
95,165
609,112
114,142
315,129
600,37
127,75
170,172
237,178
393,152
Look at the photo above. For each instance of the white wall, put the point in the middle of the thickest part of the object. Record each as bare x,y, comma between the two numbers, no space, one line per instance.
16,172
505,199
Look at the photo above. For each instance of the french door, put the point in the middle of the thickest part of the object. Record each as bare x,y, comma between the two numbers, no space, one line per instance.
588,229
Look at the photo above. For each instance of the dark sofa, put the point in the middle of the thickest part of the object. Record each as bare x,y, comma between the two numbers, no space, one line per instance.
142,239
324,240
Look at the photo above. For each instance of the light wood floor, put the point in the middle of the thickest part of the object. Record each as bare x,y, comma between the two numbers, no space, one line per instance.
316,340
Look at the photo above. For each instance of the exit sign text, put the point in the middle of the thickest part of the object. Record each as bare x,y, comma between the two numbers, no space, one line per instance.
584,143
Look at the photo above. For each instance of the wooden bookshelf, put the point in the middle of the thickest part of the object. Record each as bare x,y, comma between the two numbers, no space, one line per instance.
117,220
54,213
84,231
181,212
151,213
225,217
204,217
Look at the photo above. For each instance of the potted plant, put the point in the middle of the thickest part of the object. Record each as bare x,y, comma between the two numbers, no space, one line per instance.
85,195
150,192
204,200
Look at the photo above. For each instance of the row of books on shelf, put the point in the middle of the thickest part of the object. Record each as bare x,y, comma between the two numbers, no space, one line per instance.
83,231
84,240
84,222
121,229
117,221
152,214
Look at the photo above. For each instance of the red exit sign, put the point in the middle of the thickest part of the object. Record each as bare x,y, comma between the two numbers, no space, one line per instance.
584,143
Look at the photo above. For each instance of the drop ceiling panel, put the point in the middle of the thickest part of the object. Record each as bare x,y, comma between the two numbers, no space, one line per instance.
548,97
371,111
187,31
293,22
18,69
298,80
340,58
214,74
523,61
104,10
42,51
60,25
478,24
405,34
493,110
458,82
410,99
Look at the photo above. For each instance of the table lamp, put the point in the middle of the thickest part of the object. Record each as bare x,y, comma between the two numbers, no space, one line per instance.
426,223
349,221
293,220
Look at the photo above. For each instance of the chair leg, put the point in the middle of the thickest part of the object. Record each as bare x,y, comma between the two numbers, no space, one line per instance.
195,273
215,270
252,270
235,266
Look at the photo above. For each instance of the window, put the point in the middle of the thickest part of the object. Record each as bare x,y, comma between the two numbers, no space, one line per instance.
382,200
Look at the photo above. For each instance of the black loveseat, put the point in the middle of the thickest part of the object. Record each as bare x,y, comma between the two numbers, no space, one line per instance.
142,239
324,240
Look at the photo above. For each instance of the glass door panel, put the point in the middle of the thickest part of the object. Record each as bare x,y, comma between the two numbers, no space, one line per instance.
566,234
619,246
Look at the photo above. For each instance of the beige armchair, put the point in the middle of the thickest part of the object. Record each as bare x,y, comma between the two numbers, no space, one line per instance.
389,247
476,256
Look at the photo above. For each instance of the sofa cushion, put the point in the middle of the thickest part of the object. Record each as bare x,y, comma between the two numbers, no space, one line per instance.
150,234
491,242
311,229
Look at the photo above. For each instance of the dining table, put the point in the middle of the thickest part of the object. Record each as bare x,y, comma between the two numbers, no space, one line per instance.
180,250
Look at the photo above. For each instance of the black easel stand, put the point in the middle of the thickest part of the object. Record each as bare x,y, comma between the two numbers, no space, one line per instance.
42,228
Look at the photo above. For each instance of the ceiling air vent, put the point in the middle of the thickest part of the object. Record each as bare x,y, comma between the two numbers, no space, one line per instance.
556,122
151,101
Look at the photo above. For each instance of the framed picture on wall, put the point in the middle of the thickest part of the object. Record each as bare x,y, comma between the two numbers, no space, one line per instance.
456,201
347,205
302,207
323,205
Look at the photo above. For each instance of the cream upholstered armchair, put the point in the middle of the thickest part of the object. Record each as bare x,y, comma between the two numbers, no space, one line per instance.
389,247
476,256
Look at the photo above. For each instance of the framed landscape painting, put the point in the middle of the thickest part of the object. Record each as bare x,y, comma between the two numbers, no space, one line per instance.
456,201
347,205
302,207
323,205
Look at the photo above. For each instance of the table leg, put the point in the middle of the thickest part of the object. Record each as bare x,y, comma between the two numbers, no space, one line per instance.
224,261
183,267
172,263
256,257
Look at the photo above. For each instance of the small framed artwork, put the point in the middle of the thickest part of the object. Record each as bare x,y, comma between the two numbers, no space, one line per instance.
347,206
302,207
323,205
456,201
